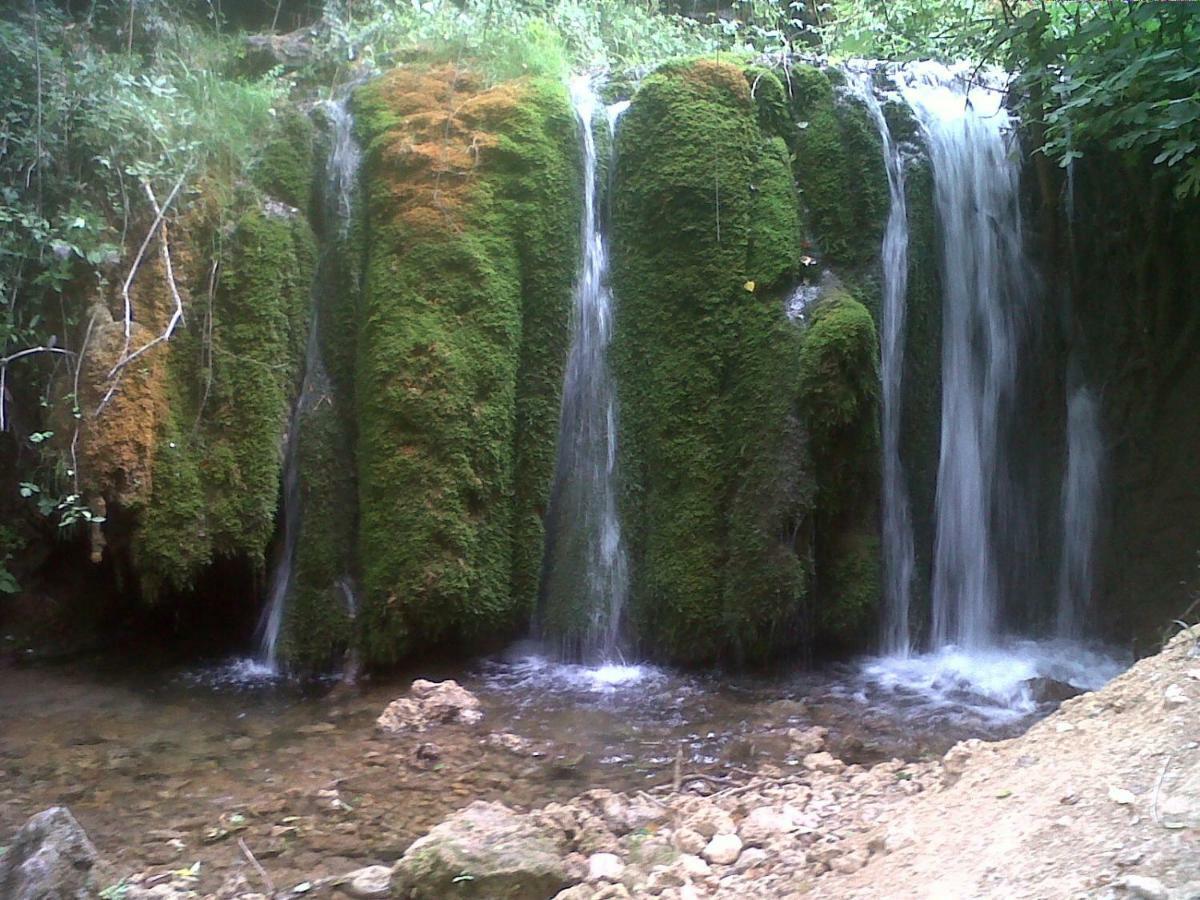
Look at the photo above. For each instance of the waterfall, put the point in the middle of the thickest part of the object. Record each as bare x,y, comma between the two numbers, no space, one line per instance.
586,568
1080,509
898,544
341,175
986,287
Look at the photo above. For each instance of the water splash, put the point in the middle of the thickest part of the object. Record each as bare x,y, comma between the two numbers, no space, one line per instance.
985,295
994,684
586,573
899,564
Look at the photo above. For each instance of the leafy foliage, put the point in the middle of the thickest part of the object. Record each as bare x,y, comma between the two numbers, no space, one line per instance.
1123,77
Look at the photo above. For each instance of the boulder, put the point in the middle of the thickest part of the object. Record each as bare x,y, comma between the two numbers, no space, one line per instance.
1050,690
50,858
429,703
483,851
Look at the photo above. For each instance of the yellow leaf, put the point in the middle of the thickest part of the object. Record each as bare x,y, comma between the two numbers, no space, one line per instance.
749,285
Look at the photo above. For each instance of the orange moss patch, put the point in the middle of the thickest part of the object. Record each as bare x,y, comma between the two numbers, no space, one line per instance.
441,125
117,439
116,446
718,74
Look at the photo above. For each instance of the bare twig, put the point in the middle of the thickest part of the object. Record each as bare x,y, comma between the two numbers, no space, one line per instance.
137,260
206,351
262,873
5,360
87,335
37,61
1158,788
169,272
695,776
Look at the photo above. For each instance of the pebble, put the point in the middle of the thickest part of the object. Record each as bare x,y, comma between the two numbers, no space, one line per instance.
823,762
694,866
723,849
1146,887
1121,796
368,883
688,840
605,867
1174,696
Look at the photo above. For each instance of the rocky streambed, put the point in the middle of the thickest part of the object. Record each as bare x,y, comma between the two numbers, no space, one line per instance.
450,794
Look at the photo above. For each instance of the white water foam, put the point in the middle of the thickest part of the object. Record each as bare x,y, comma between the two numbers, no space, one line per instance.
993,683
244,672
535,673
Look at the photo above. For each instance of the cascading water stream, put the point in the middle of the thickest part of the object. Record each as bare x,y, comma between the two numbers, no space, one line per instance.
585,568
1080,509
986,291
898,545
341,177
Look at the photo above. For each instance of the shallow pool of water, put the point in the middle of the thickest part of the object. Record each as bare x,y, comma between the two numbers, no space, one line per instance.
175,766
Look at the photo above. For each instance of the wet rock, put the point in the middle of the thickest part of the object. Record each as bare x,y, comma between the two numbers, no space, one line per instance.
429,703
50,858
367,883
605,867
511,742
427,753
1050,690
723,849
823,762
483,851
808,740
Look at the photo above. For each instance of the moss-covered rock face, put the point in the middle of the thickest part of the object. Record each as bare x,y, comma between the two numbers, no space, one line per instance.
286,171
472,225
839,396
706,235
217,461
838,162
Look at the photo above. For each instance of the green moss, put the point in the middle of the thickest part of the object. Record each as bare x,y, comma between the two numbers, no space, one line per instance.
318,627
460,350
543,184
839,168
850,588
920,437
286,169
258,335
172,543
712,496
839,397
217,466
